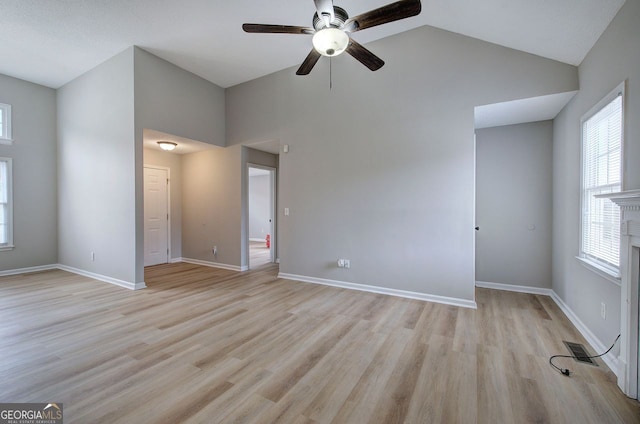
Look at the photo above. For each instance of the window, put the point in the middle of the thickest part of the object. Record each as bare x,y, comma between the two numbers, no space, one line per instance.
6,204
5,124
602,133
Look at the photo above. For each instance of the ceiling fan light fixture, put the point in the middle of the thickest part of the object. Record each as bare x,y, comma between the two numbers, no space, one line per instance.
167,145
330,41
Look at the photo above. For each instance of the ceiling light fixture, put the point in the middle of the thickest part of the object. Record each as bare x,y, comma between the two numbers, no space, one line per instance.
167,145
330,41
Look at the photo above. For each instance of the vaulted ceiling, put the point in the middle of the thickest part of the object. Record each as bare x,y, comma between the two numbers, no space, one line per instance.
52,42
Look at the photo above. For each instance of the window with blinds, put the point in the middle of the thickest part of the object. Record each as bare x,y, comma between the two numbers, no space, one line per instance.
5,123
6,207
602,174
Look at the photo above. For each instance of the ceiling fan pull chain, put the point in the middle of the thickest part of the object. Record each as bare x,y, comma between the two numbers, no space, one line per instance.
330,73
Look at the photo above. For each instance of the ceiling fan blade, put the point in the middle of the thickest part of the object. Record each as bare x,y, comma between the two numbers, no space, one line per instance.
325,10
364,56
308,63
276,29
389,13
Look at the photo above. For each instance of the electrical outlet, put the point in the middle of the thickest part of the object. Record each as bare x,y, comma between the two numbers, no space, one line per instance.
93,256
215,250
344,263
603,310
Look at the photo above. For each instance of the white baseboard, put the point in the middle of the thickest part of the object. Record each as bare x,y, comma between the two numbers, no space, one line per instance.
513,288
28,270
382,290
214,264
175,260
104,278
610,359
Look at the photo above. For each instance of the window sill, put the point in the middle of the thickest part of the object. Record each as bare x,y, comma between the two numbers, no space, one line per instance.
5,248
601,271
6,141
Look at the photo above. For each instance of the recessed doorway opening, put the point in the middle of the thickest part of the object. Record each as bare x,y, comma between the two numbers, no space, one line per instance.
261,211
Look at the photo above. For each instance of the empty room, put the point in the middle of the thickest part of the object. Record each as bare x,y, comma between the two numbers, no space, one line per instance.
320,212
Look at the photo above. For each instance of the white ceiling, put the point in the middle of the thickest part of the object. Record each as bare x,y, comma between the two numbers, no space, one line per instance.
51,42
520,111
184,145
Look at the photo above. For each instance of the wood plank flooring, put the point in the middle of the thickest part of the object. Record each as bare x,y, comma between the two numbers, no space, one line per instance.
259,254
202,345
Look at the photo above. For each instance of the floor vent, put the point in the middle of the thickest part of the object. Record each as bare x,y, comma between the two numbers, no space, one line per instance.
579,353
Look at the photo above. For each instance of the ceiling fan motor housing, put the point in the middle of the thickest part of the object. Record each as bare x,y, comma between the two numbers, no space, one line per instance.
340,17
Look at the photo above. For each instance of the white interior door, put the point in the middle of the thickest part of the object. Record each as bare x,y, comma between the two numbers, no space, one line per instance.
156,216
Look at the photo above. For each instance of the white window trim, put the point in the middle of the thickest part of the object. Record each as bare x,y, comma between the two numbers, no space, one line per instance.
9,245
609,273
5,133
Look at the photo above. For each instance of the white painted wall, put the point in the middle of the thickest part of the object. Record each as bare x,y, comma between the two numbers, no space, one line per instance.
174,163
381,167
97,171
34,174
513,204
614,58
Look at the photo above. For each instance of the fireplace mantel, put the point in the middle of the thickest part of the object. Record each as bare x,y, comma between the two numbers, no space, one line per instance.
627,200
629,203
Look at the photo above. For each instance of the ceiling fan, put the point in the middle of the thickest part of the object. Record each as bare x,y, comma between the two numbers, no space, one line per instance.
331,28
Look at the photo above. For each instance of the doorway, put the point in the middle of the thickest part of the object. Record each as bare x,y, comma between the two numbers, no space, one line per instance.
261,211
156,215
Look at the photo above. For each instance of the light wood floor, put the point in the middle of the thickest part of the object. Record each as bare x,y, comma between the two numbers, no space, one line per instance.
259,254
202,345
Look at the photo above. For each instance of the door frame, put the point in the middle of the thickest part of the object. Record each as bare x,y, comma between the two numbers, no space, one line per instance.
144,191
273,172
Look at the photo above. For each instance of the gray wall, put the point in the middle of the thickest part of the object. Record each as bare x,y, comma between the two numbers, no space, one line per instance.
175,101
614,58
171,100
513,204
259,206
174,163
97,171
34,174
381,167
212,205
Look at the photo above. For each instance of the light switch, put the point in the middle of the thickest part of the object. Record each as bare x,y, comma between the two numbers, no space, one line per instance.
286,211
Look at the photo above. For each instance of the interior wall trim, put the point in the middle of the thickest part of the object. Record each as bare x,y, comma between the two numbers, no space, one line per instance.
28,270
513,288
212,264
103,278
463,303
